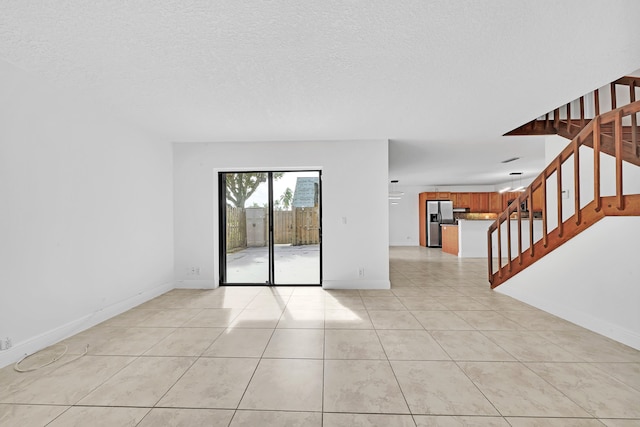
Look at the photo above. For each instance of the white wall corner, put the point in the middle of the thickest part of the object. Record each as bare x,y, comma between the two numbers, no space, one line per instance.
52,336
356,284
591,280
582,318
196,284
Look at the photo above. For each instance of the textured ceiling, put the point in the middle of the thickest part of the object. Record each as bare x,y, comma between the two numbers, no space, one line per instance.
427,74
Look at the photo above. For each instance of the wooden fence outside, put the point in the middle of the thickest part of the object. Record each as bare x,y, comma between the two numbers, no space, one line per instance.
236,228
300,226
307,223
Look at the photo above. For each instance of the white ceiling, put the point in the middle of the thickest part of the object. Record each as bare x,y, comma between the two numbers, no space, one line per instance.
442,79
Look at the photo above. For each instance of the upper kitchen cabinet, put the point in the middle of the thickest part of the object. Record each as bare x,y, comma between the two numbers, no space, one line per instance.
463,200
437,195
479,202
509,197
495,203
537,201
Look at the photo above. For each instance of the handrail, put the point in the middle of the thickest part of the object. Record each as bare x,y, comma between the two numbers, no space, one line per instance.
562,120
583,216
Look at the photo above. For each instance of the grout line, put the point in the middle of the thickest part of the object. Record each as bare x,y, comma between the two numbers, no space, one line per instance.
435,282
391,366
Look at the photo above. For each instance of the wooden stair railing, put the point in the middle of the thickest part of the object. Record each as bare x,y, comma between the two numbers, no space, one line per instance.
569,119
583,211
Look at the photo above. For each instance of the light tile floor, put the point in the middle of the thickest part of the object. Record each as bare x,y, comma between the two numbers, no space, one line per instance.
438,349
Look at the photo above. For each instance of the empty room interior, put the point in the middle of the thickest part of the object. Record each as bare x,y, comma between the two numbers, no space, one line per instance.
324,214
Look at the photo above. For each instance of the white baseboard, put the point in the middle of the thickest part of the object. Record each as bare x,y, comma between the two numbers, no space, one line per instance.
356,284
196,284
58,333
580,318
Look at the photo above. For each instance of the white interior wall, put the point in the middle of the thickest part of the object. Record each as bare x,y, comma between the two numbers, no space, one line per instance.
355,214
554,144
86,217
592,280
589,280
472,238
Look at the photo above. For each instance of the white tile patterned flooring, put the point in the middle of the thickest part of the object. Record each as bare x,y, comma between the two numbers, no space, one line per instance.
438,349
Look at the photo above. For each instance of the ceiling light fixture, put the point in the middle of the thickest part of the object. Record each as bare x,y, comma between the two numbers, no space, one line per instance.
394,194
512,159
512,174
520,187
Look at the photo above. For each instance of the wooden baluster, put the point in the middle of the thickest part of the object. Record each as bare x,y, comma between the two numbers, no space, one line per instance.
634,133
559,195
569,117
613,96
596,163
634,119
576,179
530,196
543,187
596,101
519,211
499,248
618,142
546,122
582,111
509,238
490,254
556,119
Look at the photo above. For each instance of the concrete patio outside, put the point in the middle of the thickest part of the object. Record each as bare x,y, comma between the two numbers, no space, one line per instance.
299,265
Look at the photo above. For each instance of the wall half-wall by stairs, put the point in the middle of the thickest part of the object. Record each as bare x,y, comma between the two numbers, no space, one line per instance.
593,280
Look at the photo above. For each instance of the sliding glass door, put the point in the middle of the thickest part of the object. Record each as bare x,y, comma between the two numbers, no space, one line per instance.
246,198
296,228
270,228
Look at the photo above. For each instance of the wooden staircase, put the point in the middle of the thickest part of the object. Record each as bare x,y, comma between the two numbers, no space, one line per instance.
514,243
569,119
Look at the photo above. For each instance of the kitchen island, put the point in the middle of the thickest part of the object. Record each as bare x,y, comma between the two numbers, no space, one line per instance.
472,236
450,239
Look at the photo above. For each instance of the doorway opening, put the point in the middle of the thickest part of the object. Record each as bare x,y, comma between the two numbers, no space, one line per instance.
270,228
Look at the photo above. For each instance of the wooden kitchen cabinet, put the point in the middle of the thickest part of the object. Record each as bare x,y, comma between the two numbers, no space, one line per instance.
438,195
509,196
479,202
450,239
505,201
463,200
537,201
495,203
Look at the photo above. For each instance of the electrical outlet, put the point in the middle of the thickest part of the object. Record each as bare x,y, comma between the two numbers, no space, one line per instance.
5,344
361,272
194,271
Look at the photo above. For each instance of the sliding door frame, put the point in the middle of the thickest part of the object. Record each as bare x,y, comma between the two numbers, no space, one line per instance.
222,226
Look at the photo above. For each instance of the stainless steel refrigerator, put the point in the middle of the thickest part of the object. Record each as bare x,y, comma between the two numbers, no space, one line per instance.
438,212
